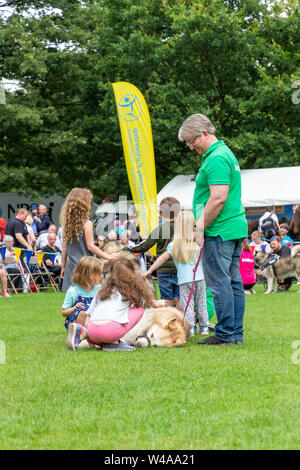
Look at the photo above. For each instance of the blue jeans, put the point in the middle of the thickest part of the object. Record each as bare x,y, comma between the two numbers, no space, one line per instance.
168,286
222,276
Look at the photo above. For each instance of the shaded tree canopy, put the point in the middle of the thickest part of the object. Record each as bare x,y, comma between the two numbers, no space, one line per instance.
233,61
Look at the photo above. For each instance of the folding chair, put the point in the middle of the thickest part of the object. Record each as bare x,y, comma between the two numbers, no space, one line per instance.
15,280
53,278
39,275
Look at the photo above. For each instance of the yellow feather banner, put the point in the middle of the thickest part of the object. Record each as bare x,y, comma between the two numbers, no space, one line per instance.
136,132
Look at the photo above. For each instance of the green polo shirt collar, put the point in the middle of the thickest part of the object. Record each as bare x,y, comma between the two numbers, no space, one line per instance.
212,148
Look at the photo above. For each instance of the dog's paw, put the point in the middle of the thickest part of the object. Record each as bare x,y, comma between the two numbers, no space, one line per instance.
268,292
142,342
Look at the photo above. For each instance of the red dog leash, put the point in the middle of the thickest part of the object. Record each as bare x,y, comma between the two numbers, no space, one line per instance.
194,277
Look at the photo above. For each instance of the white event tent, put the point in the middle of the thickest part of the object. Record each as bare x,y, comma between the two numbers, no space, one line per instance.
260,187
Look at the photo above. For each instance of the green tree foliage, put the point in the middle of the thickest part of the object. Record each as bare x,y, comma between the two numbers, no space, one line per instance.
232,60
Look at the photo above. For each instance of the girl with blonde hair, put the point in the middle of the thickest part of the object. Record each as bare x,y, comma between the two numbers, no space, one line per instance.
185,253
115,310
78,236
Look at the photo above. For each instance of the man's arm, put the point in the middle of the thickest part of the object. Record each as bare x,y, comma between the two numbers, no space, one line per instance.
49,263
146,244
279,229
63,258
23,242
213,207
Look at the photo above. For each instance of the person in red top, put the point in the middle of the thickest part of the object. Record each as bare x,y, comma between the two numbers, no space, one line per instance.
247,268
3,224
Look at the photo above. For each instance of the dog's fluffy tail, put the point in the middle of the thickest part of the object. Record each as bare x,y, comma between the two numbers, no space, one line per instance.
295,251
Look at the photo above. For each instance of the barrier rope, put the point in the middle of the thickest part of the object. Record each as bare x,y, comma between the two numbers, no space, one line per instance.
2,245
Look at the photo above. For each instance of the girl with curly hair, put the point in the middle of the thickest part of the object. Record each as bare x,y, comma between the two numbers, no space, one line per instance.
78,237
116,308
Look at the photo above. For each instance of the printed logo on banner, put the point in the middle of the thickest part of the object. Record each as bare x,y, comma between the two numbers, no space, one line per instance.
130,108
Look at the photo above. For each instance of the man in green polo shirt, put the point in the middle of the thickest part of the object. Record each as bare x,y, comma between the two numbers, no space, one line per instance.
221,222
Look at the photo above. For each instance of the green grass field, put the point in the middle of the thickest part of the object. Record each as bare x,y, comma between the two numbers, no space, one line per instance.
191,397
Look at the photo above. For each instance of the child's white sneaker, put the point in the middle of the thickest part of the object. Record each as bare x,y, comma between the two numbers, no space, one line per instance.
76,334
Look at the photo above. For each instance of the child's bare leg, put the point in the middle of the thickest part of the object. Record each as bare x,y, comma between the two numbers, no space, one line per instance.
81,318
3,280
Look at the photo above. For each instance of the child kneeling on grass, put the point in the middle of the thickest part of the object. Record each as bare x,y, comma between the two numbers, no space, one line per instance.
185,253
86,279
116,308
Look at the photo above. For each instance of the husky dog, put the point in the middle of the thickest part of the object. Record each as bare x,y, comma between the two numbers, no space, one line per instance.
165,326
274,268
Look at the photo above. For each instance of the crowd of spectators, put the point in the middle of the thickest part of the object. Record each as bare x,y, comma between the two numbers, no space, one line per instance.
29,231
33,230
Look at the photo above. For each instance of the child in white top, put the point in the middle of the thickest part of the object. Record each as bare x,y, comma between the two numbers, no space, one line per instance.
116,308
86,279
185,253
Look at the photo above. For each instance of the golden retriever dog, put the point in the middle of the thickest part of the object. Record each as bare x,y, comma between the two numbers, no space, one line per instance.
159,327
273,268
